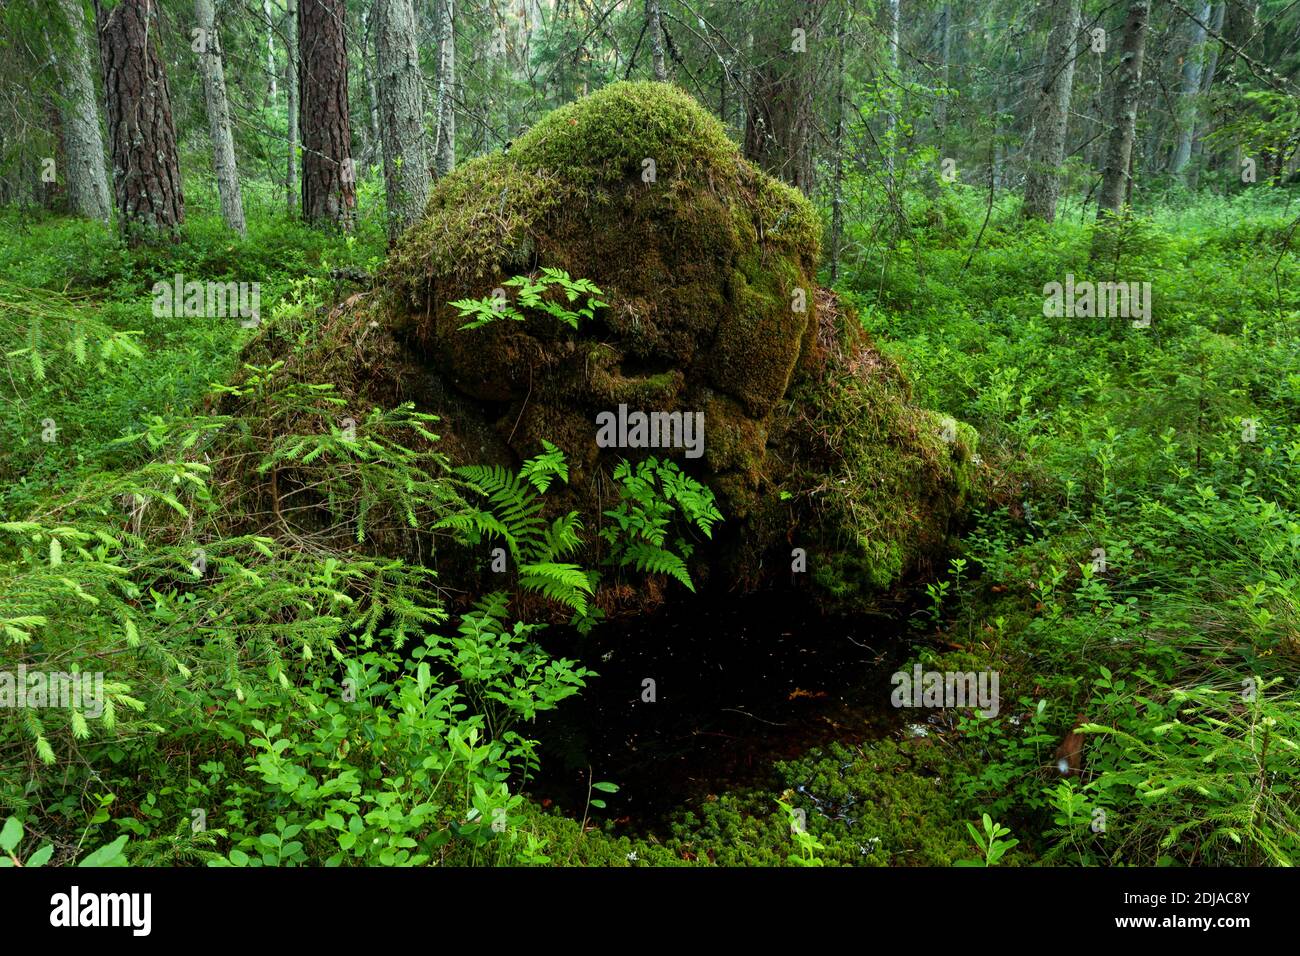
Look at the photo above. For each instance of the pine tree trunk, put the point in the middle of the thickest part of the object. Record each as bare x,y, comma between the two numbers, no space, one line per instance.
218,107
1047,152
328,175
445,113
142,138
86,176
54,194
291,95
1191,88
945,57
401,98
1128,87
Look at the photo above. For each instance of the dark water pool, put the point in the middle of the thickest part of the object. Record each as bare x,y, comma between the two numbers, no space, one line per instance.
738,684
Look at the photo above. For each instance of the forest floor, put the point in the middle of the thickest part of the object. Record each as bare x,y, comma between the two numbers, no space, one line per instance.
1137,569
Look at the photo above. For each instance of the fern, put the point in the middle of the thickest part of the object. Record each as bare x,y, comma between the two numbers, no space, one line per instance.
655,495
513,515
531,295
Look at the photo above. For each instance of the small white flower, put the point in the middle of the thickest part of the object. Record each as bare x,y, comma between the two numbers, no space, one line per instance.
631,857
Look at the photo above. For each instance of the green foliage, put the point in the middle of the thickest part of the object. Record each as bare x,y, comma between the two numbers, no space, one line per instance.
402,762
655,498
513,516
11,838
531,295
990,843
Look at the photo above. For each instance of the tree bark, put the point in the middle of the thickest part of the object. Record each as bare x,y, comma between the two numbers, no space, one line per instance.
291,95
142,138
780,121
218,107
270,49
445,113
86,176
401,99
373,136
1047,152
328,176
945,56
1190,92
54,193
837,185
655,34
1128,86
1207,83
893,12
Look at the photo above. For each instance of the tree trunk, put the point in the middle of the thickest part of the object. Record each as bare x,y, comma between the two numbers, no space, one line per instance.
837,186
54,195
655,34
214,96
86,177
328,175
270,49
1207,83
373,136
445,112
945,56
779,125
893,11
1047,152
291,95
142,138
401,97
1128,86
1191,89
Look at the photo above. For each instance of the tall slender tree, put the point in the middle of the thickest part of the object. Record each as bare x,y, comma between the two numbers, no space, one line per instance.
1189,93
87,178
141,135
401,107
655,37
328,176
291,98
1117,177
444,107
1051,122
218,108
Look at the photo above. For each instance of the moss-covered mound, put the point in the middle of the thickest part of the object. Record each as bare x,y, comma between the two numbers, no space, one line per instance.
707,266
708,269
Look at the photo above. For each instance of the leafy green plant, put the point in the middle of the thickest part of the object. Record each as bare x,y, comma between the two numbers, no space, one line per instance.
990,843
513,516
11,838
531,295
654,495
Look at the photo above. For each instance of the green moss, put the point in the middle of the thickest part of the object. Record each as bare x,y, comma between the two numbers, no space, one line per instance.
709,272
888,803
649,121
875,482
